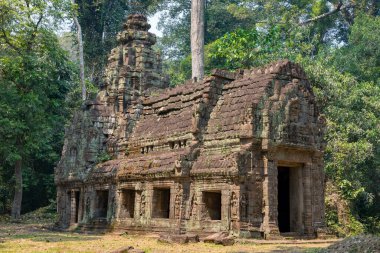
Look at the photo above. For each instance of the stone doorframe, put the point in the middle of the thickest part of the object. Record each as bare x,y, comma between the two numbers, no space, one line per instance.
76,205
270,162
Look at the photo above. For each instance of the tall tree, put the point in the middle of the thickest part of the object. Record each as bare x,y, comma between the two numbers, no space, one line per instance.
100,21
197,39
346,82
80,50
34,78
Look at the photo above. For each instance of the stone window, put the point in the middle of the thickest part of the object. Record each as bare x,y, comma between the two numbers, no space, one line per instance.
177,144
128,204
101,204
161,203
212,205
147,149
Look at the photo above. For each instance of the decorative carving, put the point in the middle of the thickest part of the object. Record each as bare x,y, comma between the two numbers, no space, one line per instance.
206,136
178,202
243,206
234,205
194,207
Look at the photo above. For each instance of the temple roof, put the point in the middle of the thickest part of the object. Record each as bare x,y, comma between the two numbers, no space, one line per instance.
204,128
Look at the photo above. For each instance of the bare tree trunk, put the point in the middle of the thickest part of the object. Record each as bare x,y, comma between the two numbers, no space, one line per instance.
81,59
16,206
197,39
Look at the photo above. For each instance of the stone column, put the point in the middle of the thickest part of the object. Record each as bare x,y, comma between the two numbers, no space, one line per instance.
119,200
172,196
61,206
149,202
73,207
308,215
318,182
270,226
225,208
80,206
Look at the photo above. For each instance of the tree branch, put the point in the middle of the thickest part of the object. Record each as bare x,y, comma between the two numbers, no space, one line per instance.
34,33
338,8
7,41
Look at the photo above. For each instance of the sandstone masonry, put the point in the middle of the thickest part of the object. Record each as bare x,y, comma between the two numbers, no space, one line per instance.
237,152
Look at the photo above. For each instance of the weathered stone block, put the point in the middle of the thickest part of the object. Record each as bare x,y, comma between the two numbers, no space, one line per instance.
201,157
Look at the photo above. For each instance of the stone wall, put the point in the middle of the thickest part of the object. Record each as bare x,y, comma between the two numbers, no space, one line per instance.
201,157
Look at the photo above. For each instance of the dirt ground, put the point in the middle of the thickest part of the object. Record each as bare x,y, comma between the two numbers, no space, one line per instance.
37,237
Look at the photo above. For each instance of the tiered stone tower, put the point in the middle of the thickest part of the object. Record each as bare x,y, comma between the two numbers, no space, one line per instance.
240,152
101,129
134,68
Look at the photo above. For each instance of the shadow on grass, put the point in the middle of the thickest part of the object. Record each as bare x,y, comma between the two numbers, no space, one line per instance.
295,250
50,237
282,249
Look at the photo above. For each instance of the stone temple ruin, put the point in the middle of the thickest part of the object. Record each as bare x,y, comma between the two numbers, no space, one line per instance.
237,152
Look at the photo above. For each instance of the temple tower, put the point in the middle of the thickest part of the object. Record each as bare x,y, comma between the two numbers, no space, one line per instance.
133,68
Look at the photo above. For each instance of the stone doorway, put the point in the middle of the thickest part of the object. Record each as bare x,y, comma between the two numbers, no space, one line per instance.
290,199
161,203
77,194
213,205
128,204
102,204
74,198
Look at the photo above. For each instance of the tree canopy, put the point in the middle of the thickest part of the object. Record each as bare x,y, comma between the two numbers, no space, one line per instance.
336,41
35,77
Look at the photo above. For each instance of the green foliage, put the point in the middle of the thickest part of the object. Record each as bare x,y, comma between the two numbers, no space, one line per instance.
351,227
247,48
179,70
35,77
361,55
100,22
103,157
345,82
175,24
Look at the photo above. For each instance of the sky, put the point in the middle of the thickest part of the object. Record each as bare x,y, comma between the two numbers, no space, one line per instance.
153,21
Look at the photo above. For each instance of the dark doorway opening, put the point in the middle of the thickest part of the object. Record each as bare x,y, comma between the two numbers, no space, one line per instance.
77,195
161,203
283,199
213,205
102,204
128,204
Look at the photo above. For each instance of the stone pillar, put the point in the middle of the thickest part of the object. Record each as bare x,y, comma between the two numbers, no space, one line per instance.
269,225
73,207
318,193
198,205
93,203
225,208
172,195
308,211
149,201
61,207
81,201
112,203
234,203
119,200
